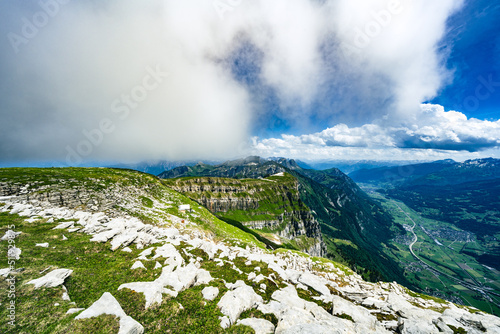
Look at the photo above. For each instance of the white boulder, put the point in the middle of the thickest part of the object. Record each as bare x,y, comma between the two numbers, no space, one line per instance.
260,326
10,235
107,304
137,265
210,292
74,310
14,253
5,272
52,279
234,302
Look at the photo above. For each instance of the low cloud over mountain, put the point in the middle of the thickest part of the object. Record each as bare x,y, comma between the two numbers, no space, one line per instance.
128,80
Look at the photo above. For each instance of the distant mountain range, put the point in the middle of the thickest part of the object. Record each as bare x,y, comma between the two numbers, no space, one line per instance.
394,175
346,166
157,167
349,166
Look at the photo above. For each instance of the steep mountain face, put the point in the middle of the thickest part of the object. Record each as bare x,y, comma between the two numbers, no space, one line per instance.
271,205
353,226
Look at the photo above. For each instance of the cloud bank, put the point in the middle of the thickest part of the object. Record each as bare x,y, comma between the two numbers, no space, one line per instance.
434,133
163,79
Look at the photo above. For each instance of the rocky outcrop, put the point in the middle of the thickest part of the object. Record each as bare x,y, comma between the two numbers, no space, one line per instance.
223,196
57,195
234,302
65,194
226,204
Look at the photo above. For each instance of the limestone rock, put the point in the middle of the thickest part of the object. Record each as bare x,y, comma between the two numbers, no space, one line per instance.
124,239
234,302
152,291
74,310
10,235
315,328
203,277
315,282
5,272
260,326
210,293
65,295
107,304
225,322
14,253
359,314
52,279
137,265
144,254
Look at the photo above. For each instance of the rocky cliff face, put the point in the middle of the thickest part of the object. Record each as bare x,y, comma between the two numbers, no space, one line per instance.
73,197
56,195
276,199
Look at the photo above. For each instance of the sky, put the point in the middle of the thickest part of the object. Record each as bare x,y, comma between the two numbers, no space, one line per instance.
128,80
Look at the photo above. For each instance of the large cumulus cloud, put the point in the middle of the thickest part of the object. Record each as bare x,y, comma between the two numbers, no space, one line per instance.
312,63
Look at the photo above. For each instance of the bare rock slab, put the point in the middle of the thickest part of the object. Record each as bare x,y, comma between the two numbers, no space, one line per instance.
52,279
107,304
235,302
260,326
210,293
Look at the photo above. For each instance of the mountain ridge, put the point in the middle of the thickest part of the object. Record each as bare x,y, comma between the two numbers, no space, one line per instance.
350,221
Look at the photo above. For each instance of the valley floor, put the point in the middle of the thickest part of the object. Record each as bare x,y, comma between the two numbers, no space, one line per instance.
431,252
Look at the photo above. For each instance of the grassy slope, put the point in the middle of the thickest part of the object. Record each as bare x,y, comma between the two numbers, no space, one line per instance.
101,179
96,270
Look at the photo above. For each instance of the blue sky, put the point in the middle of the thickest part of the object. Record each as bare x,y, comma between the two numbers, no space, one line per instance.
473,41
126,81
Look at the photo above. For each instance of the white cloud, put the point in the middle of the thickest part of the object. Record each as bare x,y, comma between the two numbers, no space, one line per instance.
434,133
64,80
